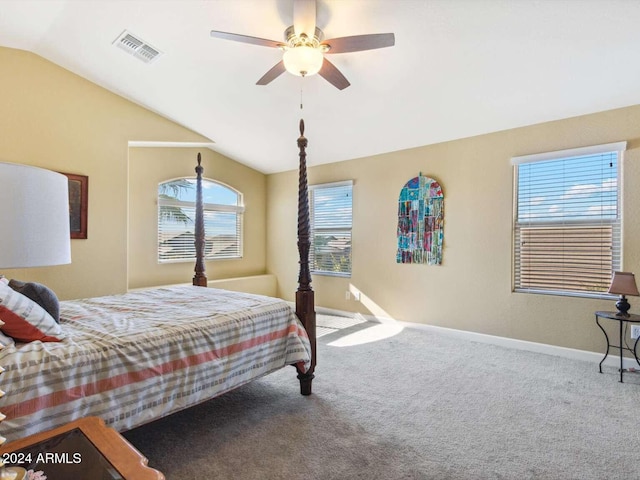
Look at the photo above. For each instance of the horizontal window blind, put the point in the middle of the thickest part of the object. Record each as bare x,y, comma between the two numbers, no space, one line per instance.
331,208
567,227
176,223
575,259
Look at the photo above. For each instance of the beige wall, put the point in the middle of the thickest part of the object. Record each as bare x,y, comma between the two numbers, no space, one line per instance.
54,119
471,290
150,166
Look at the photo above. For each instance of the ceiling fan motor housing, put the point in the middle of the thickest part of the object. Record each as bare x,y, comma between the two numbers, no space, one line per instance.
294,40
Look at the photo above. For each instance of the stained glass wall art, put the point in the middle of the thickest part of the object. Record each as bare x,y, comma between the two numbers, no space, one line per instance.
420,222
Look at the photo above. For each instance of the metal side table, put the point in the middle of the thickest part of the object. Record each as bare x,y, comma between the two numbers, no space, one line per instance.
621,319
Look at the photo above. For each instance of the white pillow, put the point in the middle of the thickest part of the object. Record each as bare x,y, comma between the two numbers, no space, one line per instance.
5,341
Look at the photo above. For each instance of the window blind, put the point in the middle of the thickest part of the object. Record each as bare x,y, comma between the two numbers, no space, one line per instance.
568,224
176,222
331,207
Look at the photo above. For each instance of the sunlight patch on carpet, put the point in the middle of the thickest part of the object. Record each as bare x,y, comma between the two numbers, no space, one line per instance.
326,324
360,329
374,333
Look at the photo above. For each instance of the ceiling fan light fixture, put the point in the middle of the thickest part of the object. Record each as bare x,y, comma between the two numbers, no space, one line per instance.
303,60
304,47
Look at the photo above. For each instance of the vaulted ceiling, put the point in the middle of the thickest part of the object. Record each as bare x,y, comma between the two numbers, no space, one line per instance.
458,68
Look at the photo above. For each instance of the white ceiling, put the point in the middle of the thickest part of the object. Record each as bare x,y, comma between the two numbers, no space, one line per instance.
459,68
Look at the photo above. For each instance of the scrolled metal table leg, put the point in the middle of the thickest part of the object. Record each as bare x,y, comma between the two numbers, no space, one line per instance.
608,344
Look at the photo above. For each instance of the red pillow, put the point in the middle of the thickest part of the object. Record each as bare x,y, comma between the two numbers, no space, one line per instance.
20,330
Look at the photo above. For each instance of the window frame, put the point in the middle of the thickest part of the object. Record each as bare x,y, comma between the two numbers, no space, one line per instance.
207,207
313,229
566,222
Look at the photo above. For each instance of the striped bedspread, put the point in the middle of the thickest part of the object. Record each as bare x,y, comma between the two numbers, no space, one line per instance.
136,357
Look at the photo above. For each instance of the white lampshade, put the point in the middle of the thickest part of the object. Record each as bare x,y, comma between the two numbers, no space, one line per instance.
303,60
34,217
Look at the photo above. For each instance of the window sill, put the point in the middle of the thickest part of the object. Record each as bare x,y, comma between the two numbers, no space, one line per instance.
600,296
332,274
191,260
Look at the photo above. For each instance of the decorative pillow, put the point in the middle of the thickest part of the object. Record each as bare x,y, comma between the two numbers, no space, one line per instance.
5,341
24,319
41,294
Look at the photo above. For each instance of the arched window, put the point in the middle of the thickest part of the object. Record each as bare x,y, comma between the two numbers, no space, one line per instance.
223,210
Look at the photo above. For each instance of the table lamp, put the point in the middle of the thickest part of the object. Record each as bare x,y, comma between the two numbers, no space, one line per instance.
34,217
623,283
34,221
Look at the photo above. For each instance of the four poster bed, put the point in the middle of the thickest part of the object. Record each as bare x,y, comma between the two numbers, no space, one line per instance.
136,357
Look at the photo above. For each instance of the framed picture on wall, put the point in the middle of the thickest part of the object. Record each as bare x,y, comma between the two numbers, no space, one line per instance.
78,201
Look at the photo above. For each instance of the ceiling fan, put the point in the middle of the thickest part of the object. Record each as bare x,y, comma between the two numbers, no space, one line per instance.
304,47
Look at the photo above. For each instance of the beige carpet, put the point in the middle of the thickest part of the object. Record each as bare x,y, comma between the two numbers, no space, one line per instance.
415,405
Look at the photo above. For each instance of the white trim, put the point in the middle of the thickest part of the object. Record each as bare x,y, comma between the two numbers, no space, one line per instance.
613,360
572,152
567,293
145,144
324,273
343,183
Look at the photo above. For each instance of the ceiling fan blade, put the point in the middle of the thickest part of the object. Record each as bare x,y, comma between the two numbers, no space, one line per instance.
358,43
304,17
332,75
272,74
263,42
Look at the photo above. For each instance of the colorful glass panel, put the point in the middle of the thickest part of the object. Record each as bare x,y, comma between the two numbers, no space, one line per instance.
420,222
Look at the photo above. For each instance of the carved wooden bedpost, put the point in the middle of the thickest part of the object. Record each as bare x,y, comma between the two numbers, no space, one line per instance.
200,278
305,295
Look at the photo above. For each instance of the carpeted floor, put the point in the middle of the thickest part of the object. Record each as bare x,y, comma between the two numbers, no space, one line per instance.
415,405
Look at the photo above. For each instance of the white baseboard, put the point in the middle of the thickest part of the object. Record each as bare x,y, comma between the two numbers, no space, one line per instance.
613,360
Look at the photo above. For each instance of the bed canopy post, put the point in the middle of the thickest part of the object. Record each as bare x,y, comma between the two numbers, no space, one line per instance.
305,295
200,278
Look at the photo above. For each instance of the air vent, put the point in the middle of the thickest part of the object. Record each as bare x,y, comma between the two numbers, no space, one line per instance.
136,47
